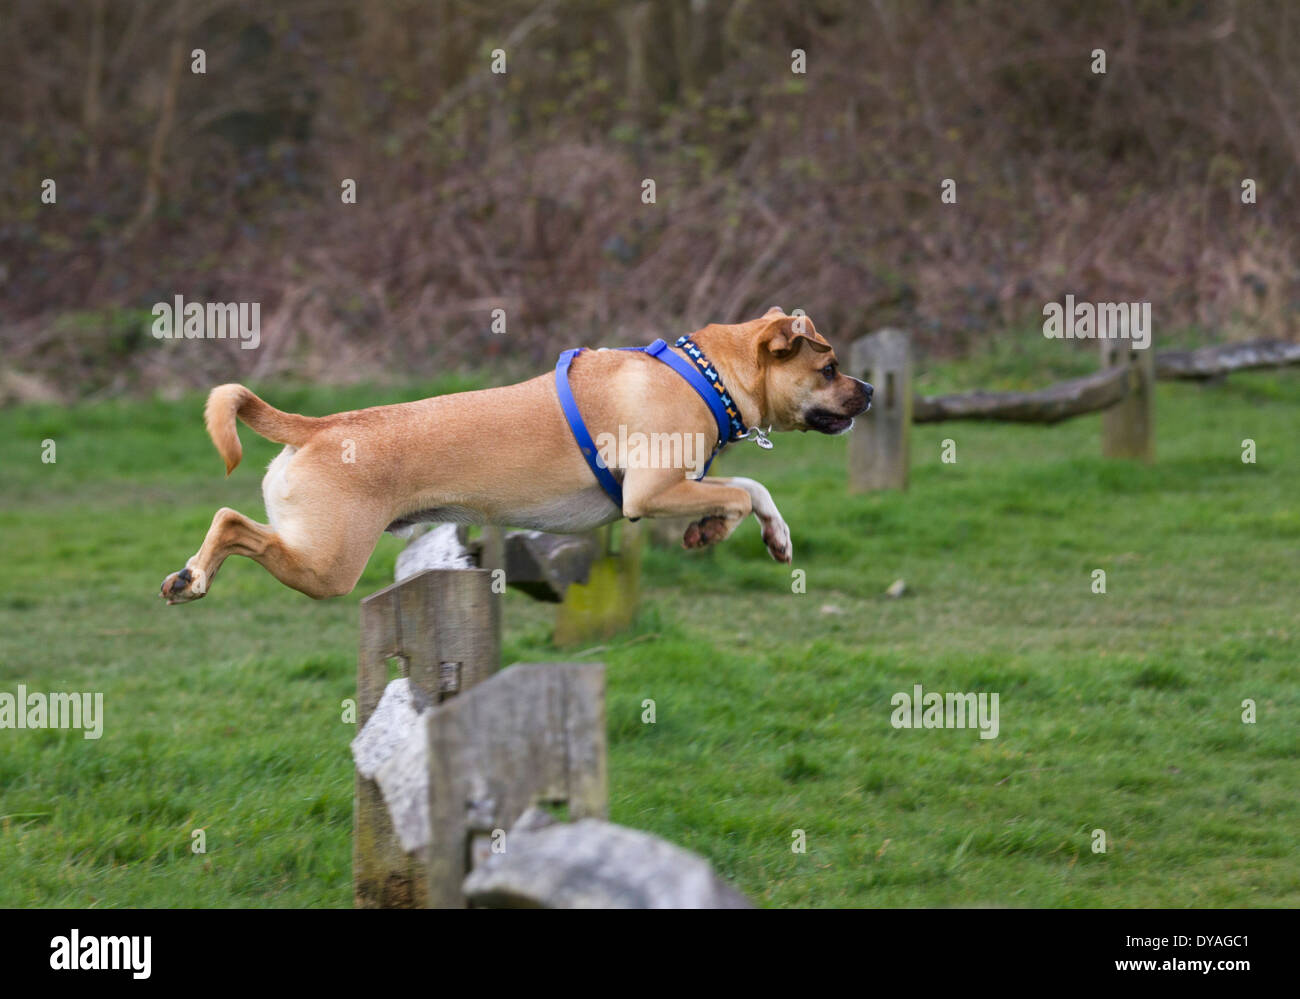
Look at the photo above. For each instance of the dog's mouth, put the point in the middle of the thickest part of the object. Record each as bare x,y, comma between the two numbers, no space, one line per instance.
826,422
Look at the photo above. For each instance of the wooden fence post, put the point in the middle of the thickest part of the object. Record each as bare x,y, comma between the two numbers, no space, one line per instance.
492,554
535,732
606,604
594,577
444,629
880,444
1128,427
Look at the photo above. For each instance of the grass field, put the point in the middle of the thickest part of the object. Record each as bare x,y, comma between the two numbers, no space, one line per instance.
1119,712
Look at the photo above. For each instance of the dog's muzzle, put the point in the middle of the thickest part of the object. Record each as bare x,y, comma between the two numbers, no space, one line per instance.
828,421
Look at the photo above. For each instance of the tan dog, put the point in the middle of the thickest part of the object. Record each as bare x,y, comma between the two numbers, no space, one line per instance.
507,456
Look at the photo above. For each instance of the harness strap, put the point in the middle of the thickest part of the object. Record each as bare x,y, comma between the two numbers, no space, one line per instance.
701,376
580,433
703,388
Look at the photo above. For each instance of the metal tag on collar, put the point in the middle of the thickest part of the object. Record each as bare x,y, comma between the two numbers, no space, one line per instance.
759,437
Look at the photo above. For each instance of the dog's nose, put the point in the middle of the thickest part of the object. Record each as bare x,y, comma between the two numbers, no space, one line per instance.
867,393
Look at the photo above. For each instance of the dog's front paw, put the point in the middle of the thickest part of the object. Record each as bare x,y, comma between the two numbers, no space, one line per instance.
703,533
776,535
183,586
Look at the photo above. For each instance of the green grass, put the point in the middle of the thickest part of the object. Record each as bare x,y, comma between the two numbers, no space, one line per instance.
1119,712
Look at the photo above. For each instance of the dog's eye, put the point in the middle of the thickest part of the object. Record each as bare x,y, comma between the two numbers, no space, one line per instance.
829,372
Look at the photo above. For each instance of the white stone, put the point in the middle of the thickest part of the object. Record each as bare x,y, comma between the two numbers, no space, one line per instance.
437,548
392,749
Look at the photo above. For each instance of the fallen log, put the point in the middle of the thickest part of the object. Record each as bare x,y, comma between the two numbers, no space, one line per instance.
1049,405
1210,362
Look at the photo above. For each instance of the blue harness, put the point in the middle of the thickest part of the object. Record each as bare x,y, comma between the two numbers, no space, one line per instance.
700,375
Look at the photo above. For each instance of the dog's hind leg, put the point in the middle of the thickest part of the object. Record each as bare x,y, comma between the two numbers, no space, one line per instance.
315,570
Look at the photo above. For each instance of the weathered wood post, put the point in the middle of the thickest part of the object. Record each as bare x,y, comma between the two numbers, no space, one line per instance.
880,444
534,733
607,602
1128,427
594,577
443,628
492,554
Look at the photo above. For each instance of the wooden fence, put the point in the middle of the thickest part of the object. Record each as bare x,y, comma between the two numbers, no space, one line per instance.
1123,391
459,769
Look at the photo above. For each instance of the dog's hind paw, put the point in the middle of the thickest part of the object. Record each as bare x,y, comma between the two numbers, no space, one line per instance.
183,586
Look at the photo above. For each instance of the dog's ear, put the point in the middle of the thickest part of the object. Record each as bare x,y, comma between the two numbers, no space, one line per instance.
775,310
782,337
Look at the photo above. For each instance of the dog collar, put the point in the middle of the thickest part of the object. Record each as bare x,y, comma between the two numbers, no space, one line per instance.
722,405
698,372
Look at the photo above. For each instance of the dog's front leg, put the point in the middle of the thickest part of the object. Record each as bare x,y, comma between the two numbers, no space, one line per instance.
663,492
776,532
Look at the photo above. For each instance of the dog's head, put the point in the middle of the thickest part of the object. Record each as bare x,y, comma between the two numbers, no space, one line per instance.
804,387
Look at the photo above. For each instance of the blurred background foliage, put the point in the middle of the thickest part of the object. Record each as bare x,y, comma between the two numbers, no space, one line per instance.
522,191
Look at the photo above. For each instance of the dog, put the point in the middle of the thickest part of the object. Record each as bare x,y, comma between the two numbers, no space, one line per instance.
508,456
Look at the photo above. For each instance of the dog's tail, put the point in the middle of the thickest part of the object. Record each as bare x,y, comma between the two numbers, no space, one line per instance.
225,402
